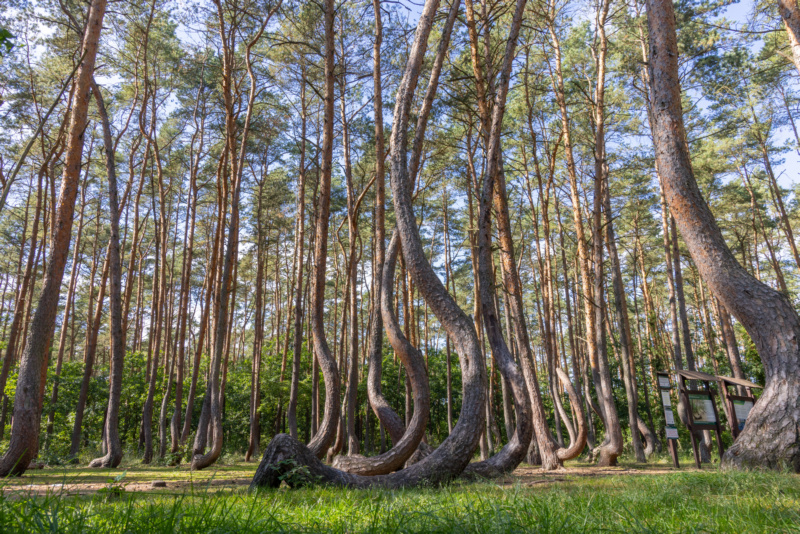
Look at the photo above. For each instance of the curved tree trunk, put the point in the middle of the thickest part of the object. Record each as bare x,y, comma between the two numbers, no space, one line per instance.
326,433
410,438
514,451
113,456
612,445
294,389
770,438
386,415
24,444
453,455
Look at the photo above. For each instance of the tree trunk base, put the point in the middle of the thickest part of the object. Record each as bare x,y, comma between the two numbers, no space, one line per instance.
771,439
109,461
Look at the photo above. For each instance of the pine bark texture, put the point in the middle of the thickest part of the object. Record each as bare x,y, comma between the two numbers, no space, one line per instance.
24,443
771,437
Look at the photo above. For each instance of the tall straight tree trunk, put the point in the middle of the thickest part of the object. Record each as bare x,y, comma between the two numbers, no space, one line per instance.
22,293
204,322
258,336
625,341
65,321
294,388
92,329
770,438
24,444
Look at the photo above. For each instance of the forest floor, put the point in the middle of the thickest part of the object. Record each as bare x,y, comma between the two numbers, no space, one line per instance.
651,497
137,478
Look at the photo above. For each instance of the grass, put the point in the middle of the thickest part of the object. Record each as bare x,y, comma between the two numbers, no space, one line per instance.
573,501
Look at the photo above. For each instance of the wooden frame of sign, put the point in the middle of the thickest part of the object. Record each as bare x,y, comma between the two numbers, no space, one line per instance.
704,419
737,405
671,431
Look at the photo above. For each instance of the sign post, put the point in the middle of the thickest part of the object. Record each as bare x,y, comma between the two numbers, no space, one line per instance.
701,407
664,388
737,406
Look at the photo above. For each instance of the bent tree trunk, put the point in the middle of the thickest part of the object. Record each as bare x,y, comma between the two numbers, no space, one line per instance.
114,455
409,438
24,443
330,371
383,297
387,417
514,451
453,455
770,438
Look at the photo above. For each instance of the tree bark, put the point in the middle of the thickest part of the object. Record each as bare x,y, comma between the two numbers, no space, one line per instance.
791,21
24,444
452,456
770,438
113,456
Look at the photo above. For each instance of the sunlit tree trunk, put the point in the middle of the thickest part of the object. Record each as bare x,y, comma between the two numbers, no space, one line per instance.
770,436
24,444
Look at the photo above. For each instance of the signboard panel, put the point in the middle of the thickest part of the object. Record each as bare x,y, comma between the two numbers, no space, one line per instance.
742,409
669,417
671,433
702,409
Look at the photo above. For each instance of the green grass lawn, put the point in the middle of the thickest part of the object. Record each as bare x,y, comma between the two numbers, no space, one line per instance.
634,498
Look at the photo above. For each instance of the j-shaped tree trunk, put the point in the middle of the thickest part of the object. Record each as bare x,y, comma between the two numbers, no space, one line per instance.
294,388
453,455
770,438
383,304
409,438
405,441
237,158
326,434
514,452
380,406
611,447
24,443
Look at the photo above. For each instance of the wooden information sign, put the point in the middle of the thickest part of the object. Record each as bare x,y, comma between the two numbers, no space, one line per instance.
701,407
664,388
737,406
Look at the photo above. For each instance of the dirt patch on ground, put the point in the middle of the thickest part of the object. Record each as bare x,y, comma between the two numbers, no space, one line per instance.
531,476
52,483
68,487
